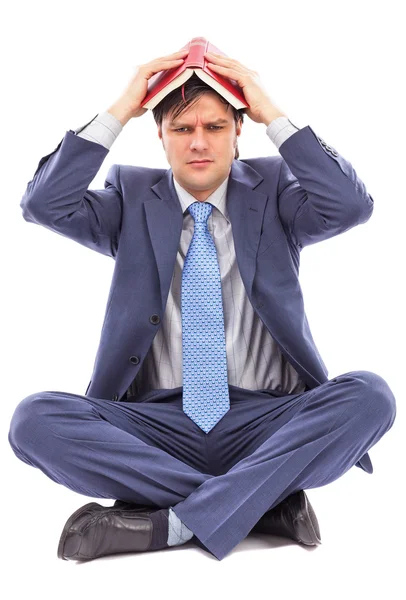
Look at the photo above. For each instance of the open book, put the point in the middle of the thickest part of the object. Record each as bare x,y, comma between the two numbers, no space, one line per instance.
162,83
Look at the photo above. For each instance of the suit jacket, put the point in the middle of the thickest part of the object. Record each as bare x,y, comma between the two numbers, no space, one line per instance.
277,206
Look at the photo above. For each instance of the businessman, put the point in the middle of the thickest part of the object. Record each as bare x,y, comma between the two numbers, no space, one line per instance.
209,410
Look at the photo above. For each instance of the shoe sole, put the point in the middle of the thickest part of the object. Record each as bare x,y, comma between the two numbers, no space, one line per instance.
68,523
306,524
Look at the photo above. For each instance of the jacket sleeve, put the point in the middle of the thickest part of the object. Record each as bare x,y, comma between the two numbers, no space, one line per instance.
319,192
58,198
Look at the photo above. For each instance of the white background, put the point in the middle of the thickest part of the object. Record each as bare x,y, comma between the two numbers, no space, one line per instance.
338,67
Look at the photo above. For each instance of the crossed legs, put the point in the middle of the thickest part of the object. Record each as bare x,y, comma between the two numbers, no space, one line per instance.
150,452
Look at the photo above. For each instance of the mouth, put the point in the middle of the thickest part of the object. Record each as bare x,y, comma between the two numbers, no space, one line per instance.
200,163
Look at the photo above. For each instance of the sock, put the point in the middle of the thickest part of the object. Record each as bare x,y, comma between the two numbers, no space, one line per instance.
159,520
178,533
168,529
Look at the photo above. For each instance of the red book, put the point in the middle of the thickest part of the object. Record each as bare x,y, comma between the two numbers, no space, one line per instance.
162,83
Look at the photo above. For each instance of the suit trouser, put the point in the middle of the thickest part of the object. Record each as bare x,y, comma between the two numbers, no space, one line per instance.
266,447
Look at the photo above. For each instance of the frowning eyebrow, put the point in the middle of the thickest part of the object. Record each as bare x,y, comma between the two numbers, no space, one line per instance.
180,124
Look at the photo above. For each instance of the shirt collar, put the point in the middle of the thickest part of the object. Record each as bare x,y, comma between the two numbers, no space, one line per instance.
217,198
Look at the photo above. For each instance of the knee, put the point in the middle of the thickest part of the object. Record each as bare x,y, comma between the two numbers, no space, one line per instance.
28,415
374,391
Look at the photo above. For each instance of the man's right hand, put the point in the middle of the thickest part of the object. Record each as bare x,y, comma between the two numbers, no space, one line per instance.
128,106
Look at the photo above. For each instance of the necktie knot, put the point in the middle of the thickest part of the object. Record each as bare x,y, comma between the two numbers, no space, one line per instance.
200,211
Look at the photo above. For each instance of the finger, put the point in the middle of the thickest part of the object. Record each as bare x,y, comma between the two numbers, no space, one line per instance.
219,57
214,56
226,61
223,70
167,60
229,70
171,56
156,66
169,63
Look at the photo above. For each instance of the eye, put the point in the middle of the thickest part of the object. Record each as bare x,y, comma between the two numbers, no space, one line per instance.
215,126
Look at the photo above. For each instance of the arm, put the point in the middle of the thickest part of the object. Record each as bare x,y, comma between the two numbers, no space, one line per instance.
319,192
58,197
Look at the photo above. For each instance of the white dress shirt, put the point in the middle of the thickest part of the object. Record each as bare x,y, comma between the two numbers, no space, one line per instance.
254,360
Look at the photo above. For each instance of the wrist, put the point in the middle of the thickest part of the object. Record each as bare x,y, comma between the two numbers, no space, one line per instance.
121,111
272,114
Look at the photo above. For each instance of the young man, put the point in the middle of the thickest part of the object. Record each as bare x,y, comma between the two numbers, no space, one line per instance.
209,410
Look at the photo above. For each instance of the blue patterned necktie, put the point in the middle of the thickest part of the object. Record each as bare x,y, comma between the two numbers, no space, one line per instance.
205,384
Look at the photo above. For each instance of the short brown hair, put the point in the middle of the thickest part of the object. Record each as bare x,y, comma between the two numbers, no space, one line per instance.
176,102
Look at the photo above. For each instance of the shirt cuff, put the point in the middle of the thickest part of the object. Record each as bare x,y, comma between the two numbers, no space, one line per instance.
103,129
280,129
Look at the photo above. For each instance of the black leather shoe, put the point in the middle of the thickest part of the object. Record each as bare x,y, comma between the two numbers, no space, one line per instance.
294,518
94,530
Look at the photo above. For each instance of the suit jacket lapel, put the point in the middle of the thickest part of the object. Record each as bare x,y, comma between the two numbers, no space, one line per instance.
246,210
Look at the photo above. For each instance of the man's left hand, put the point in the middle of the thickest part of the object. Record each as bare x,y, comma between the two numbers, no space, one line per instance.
261,108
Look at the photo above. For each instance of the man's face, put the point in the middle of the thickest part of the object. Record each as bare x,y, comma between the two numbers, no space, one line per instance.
196,135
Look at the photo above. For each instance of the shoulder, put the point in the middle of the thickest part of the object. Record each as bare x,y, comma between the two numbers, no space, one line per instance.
120,175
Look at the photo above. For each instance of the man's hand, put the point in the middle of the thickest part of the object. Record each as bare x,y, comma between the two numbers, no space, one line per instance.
128,106
261,108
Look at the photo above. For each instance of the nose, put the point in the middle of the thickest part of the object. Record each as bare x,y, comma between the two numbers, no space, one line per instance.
198,141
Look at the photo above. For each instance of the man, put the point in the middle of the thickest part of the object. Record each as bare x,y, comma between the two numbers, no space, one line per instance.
209,410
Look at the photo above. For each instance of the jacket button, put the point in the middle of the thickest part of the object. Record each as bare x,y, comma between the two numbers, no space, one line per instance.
115,397
134,359
331,150
154,319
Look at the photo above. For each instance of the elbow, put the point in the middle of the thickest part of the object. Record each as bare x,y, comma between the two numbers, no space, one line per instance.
366,209
26,210
29,211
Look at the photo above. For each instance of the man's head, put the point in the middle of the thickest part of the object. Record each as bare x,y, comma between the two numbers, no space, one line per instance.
190,129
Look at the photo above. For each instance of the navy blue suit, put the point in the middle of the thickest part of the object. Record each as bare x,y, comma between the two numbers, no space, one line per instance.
269,444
